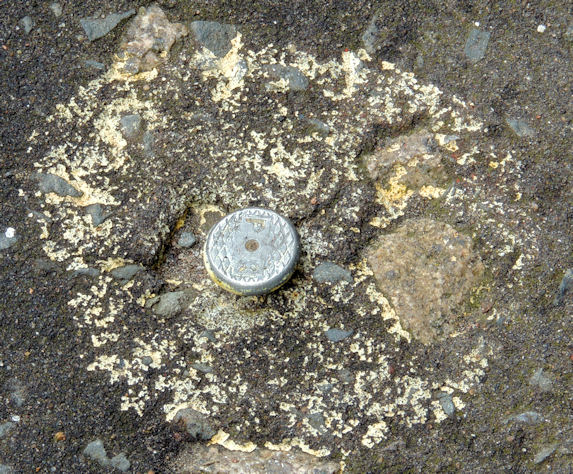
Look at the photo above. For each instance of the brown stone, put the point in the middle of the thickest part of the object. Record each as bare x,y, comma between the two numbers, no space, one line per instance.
426,269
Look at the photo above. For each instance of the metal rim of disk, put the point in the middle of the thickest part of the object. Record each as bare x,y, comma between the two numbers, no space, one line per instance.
252,251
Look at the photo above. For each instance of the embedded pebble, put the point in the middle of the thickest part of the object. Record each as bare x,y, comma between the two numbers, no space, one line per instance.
148,40
520,127
96,28
97,214
186,239
96,451
476,44
196,424
27,23
564,287
8,238
197,457
56,9
146,360
131,126
529,417
332,273
5,469
214,36
5,428
294,78
426,268
540,380
337,335
127,272
50,183
206,369
120,462
87,271
167,304
447,403
544,453
94,64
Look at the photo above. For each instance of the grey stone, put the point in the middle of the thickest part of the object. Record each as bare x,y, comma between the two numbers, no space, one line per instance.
540,380
209,335
27,23
94,64
529,417
186,239
167,304
96,28
565,287
17,392
131,126
332,273
296,80
5,428
544,453
520,127
56,9
206,369
96,451
337,335
5,469
127,272
317,421
146,360
148,143
50,183
120,462
476,44
7,239
196,424
317,126
370,36
345,376
216,37
89,272
97,214
447,403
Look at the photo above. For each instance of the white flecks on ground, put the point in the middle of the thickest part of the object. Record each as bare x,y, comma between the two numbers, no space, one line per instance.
359,403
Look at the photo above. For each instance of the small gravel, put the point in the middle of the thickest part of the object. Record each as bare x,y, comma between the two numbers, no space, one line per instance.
332,273
476,44
337,335
186,239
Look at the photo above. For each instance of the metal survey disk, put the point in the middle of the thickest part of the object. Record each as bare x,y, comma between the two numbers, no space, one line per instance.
252,251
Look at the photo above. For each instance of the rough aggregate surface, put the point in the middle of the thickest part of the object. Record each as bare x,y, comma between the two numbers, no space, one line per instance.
352,119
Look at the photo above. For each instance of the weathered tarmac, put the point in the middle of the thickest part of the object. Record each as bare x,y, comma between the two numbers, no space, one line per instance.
423,153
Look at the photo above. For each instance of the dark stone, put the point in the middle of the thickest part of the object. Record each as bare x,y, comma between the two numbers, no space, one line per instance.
216,37
127,272
96,28
50,183
97,213
332,273
131,126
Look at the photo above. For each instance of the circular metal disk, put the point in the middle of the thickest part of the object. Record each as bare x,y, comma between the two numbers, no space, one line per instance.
252,251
